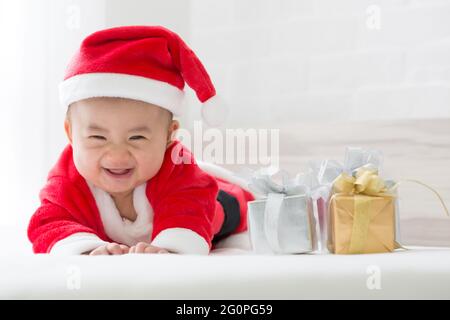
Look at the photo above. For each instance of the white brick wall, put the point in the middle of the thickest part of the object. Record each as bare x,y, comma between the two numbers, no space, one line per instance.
356,69
302,60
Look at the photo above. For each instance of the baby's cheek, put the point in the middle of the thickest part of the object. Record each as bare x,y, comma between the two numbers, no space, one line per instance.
86,164
150,165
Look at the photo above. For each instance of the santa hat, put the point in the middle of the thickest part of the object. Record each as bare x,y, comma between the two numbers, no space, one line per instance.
146,63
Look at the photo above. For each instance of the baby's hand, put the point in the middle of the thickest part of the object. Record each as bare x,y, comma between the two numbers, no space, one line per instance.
110,249
143,247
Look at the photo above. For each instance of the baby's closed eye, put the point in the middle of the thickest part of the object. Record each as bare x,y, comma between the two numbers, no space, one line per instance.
97,137
137,138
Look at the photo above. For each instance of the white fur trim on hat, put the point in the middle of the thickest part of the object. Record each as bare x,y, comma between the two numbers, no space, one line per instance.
90,85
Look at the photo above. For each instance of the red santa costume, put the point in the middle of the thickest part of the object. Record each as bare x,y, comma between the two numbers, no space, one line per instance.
186,206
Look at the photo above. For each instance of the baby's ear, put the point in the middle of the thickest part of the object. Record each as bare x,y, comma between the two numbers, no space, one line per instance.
68,130
173,127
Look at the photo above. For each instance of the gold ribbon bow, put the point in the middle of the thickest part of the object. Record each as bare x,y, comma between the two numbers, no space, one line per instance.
365,182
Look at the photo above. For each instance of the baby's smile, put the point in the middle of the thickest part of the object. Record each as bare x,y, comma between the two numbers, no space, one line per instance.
119,173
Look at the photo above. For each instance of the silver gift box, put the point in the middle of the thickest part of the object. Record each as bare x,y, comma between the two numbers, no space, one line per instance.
290,231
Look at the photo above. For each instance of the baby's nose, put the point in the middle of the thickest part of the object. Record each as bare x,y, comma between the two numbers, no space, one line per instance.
118,157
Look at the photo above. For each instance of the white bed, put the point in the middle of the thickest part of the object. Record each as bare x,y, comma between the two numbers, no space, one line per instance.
230,272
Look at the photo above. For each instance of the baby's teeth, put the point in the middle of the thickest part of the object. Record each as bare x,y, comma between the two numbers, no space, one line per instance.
118,171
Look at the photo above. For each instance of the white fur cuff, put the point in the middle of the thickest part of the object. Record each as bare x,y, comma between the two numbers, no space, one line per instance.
77,243
181,240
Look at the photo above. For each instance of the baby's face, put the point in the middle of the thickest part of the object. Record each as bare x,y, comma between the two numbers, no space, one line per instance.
117,143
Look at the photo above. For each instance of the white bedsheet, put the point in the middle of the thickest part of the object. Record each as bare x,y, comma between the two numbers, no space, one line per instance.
230,272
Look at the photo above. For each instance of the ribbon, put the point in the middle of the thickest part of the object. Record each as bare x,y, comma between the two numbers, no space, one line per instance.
361,221
325,172
271,218
394,187
366,181
272,180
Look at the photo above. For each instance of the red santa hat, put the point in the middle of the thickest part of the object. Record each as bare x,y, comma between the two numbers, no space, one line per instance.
146,63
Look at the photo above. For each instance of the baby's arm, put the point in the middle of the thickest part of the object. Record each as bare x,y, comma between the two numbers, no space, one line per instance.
184,202
53,229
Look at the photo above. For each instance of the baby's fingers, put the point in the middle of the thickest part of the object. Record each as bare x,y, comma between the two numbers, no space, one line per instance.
137,249
125,249
141,246
153,249
99,251
150,249
114,248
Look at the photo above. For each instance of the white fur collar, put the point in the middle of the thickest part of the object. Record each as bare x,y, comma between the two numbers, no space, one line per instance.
122,230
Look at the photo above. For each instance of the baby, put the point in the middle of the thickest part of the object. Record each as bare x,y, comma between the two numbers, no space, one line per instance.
123,184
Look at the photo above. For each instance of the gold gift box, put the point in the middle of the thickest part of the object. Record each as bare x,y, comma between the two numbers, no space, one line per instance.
362,224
